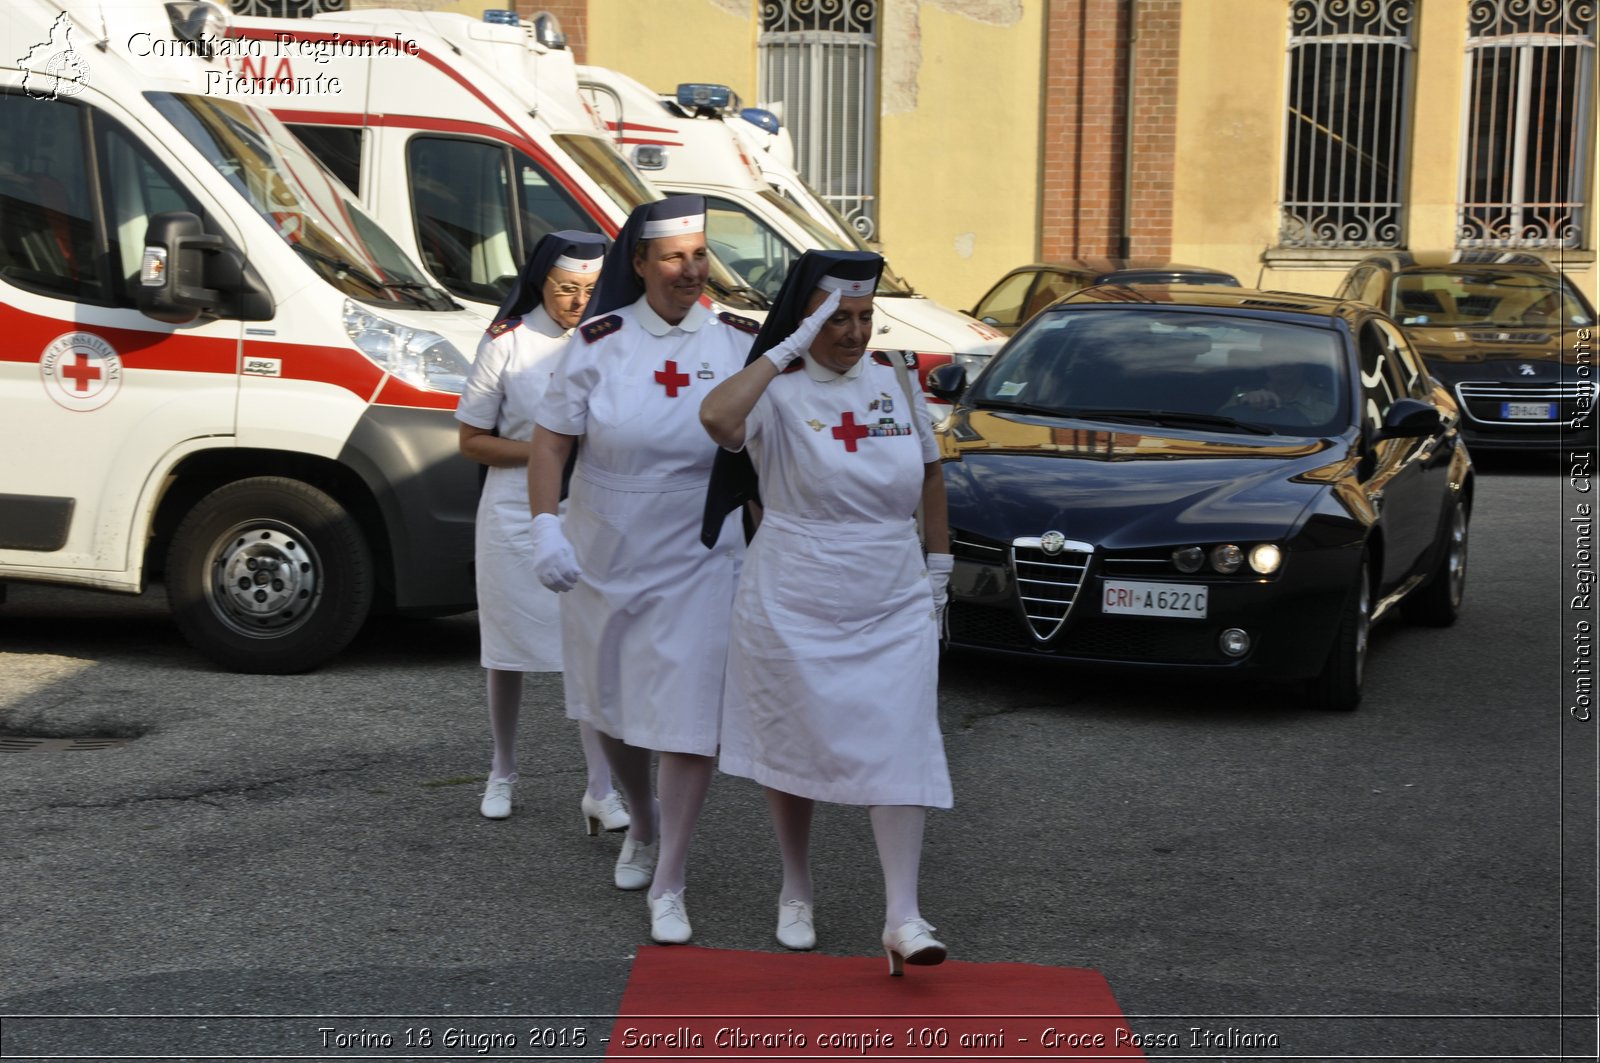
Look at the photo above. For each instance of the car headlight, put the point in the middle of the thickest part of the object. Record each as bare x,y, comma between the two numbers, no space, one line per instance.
1188,558
1265,558
416,356
1226,558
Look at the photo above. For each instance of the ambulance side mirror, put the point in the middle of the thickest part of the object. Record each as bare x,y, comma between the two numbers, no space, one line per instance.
172,274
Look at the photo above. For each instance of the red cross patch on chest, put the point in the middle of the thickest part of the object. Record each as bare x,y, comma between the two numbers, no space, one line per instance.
669,377
848,432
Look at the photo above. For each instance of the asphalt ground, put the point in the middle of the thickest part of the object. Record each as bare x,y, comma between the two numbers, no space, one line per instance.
1412,879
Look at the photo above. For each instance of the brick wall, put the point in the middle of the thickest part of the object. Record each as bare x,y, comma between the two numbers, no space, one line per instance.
574,17
1081,213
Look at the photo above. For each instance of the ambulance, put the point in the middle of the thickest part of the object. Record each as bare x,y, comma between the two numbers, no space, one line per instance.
760,214
467,143
215,367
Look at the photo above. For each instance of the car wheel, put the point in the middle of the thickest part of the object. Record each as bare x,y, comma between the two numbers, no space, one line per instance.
1338,688
269,575
1437,602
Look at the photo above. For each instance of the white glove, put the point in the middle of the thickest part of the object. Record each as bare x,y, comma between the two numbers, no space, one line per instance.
553,559
795,344
939,566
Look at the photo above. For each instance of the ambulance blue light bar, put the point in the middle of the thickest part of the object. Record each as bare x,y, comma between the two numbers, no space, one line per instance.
761,119
501,17
716,97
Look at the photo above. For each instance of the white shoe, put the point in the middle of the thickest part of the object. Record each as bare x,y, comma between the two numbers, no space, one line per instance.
669,919
497,797
912,942
636,865
607,812
795,929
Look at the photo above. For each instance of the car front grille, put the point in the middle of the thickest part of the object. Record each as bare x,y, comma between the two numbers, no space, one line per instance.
1481,399
1048,583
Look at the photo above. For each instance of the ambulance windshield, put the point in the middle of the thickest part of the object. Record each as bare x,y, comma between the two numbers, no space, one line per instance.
622,183
303,201
824,237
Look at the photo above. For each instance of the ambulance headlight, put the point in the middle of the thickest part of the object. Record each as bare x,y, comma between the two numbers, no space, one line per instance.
972,363
417,356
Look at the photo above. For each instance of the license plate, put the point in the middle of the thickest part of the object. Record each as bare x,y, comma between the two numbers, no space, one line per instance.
1527,411
1154,599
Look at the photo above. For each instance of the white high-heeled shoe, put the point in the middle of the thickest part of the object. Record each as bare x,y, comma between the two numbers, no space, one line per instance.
636,865
607,812
912,942
795,927
669,919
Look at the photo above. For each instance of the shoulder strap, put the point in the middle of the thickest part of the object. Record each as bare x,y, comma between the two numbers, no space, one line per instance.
898,360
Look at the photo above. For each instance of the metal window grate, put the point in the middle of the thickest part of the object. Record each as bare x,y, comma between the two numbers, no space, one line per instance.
288,8
1528,126
1048,584
1344,150
819,70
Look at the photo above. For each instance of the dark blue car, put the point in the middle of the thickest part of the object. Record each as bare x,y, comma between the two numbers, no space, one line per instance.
1203,478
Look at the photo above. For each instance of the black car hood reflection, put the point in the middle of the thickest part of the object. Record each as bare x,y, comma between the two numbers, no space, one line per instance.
1127,485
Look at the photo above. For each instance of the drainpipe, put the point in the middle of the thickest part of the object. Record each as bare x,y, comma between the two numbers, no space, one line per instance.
1125,240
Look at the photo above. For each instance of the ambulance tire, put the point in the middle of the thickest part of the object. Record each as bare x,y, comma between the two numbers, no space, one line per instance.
269,576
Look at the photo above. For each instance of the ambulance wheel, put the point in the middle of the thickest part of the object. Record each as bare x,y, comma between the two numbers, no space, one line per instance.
269,575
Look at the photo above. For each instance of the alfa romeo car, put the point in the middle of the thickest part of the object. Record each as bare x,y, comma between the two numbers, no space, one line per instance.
1498,329
1207,479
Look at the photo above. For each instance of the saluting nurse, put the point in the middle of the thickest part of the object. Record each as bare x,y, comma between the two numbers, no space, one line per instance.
832,688
518,620
644,617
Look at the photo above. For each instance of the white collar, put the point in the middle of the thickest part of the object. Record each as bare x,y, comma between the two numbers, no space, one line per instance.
654,324
540,321
823,375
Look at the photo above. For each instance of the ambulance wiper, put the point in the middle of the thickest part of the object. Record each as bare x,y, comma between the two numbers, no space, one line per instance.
341,266
754,295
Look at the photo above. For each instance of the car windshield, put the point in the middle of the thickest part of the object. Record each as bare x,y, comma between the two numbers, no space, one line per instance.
1487,298
304,203
1207,372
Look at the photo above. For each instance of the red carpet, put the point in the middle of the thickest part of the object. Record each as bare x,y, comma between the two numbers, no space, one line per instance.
691,1003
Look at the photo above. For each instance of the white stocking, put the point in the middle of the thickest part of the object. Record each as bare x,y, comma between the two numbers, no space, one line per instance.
630,765
898,831
791,821
505,702
682,782
594,761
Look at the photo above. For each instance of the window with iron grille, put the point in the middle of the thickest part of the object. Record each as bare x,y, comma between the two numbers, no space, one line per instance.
288,8
819,69
1344,147
1529,123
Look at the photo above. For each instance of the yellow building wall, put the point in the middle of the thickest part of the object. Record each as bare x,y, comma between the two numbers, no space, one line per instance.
1230,147
1229,135
664,43
959,148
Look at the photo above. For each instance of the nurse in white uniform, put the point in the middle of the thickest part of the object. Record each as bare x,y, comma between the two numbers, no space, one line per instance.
833,668
644,616
518,620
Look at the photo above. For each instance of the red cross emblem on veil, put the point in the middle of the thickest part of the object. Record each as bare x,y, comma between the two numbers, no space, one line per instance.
848,432
669,377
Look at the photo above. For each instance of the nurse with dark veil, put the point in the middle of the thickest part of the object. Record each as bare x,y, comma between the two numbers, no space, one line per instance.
832,685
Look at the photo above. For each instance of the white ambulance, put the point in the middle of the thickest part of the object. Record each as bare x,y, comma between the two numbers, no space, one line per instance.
214,365
468,143
760,214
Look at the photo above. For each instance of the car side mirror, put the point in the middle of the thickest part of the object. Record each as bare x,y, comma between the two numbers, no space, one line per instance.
948,381
186,272
1410,419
